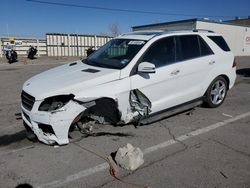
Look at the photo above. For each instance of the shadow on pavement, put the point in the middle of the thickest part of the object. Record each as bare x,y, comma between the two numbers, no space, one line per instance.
12,138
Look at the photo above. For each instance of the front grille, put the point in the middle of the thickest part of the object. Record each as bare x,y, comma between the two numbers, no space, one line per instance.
27,100
26,116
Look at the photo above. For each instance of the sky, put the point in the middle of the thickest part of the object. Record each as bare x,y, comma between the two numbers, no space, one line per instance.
35,18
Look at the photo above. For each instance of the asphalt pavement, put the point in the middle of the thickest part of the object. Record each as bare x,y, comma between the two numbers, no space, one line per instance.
199,148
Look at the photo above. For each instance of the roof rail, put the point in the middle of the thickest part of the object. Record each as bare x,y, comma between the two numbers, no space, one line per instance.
204,30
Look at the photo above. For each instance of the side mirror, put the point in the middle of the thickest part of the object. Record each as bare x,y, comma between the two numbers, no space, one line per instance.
146,67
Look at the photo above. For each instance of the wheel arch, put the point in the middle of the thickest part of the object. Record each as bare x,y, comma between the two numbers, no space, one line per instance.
222,75
226,78
104,107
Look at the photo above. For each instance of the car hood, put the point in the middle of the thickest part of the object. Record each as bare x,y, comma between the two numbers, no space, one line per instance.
68,79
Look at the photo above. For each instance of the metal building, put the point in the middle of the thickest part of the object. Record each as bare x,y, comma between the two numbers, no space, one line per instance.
59,44
237,36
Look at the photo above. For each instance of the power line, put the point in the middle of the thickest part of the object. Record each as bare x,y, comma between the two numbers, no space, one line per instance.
125,10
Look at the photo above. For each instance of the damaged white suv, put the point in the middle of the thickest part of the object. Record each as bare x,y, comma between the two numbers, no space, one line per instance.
137,77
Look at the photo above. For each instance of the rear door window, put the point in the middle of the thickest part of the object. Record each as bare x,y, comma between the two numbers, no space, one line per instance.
189,47
204,48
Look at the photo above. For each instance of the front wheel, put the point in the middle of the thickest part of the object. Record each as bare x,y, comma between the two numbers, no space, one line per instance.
216,93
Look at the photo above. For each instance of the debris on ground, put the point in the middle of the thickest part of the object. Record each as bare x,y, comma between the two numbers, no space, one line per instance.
190,112
113,166
227,115
86,128
223,175
129,157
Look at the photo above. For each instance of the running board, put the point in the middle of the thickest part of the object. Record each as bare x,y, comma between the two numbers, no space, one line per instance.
169,112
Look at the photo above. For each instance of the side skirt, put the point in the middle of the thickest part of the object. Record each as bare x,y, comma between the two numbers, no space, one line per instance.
169,112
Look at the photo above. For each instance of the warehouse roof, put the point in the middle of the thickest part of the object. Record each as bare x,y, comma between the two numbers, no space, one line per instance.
187,21
74,34
242,22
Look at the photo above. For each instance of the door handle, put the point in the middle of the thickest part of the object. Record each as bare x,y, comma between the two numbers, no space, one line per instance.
175,72
211,62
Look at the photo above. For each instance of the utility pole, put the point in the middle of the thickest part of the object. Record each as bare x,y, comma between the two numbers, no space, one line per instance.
1,51
7,30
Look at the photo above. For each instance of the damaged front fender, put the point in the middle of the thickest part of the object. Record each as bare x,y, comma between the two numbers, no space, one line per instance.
59,121
103,110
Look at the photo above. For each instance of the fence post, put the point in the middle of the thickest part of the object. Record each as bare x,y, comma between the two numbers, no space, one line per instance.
77,46
1,50
38,47
95,41
68,46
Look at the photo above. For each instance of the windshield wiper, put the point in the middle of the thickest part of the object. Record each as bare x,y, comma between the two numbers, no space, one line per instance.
86,61
96,64
93,63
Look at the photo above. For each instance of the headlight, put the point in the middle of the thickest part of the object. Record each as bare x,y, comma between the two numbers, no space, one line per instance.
55,102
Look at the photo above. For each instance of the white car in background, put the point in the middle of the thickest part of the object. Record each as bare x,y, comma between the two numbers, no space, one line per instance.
137,77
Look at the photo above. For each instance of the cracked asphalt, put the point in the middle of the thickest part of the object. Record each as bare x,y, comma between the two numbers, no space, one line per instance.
200,148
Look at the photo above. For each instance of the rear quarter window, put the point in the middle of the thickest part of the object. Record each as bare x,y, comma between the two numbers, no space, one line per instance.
219,40
204,48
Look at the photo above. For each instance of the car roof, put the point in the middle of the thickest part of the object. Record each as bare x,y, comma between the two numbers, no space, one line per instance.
141,35
148,34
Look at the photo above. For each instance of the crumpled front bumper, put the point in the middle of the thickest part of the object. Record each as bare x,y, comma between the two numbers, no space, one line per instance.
59,120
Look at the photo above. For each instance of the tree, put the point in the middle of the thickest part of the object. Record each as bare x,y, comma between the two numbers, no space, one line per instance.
115,31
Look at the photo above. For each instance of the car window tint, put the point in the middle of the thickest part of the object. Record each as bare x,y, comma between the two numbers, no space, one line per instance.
161,52
219,40
189,46
204,48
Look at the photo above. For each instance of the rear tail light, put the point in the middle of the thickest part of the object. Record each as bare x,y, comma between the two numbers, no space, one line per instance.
234,63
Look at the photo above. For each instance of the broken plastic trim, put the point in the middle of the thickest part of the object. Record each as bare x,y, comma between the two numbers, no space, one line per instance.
55,102
139,102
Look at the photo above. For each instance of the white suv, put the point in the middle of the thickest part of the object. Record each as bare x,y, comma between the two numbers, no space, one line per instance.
137,77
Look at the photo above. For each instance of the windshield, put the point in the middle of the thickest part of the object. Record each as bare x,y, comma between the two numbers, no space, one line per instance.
116,54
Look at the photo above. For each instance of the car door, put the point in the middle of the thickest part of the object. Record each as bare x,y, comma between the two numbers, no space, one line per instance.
196,59
159,87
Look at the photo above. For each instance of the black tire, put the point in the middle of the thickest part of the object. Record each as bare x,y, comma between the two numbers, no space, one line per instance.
216,92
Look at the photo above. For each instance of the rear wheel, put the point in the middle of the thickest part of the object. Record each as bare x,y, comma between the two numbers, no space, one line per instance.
216,92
